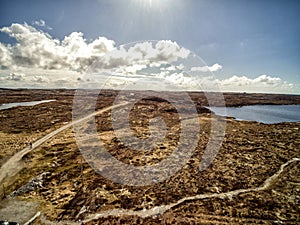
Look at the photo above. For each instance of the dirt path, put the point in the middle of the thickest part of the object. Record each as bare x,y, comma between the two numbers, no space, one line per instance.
14,165
163,208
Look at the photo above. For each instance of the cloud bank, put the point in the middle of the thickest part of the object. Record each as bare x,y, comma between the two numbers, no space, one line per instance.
37,59
37,49
262,83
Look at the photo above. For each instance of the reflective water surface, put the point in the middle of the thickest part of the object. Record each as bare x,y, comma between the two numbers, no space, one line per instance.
261,113
15,104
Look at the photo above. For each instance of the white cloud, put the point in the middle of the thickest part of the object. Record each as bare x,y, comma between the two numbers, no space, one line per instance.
37,53
262,83
179,78
169,68
172,69
5,57
40,79
169,51
37,49
147,53
40,23
15,77
245,81
267,80
129,70
180,67
134,68
212,68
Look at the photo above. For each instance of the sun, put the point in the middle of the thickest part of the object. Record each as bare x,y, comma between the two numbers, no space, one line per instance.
153,4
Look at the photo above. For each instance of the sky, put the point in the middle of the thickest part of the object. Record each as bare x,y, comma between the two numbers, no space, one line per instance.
243,46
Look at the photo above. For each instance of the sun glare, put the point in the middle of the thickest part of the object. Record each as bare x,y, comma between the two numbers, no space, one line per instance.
153,4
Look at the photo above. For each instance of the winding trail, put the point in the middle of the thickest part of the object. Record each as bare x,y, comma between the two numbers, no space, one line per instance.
14,165
158,210
163,208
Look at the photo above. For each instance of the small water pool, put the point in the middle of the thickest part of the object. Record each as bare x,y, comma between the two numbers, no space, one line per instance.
15,104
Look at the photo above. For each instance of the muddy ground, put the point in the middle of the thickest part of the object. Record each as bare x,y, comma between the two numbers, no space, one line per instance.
70,190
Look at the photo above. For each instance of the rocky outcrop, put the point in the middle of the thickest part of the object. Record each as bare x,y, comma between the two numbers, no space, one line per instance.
32,185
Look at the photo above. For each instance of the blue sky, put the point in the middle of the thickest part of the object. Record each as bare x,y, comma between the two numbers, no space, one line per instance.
247,38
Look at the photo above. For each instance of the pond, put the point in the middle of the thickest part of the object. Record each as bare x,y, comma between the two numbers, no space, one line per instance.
268,114
15,104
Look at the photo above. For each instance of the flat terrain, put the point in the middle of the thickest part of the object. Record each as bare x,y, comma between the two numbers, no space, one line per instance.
254,179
